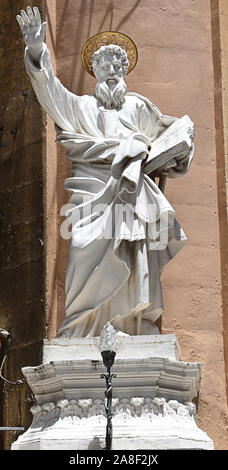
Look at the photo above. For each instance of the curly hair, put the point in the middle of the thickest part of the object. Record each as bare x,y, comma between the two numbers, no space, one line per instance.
113,49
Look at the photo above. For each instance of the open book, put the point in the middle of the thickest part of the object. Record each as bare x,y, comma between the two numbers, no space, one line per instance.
175,142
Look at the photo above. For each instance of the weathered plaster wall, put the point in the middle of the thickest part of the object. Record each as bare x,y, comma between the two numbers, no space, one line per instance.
177,71
21,216
223,129
51,196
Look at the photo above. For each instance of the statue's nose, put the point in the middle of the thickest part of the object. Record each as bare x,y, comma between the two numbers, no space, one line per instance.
112,71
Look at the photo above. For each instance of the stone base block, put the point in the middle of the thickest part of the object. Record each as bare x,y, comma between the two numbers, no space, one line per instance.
153,397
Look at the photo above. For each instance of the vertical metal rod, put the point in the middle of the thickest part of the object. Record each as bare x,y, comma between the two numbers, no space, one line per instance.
108,407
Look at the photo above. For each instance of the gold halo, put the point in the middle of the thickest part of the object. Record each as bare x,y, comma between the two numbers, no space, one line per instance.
104,39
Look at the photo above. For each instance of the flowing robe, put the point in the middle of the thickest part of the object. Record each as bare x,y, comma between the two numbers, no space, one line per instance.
124,230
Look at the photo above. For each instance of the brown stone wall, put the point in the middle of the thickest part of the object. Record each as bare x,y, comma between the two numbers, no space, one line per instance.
179,70
221,14
22,173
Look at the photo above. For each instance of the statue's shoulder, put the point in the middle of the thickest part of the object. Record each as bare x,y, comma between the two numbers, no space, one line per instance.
144,102
134,98
152,108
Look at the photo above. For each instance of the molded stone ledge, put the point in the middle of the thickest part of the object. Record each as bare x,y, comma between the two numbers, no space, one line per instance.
154,377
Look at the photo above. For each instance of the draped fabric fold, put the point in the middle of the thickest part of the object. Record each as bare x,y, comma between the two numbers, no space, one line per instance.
124,230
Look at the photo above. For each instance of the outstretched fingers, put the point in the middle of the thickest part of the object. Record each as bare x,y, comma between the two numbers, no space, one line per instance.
20,22
31,15
37,16
25,18
30,23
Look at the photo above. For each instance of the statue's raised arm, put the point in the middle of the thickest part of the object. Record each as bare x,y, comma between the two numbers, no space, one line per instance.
54,98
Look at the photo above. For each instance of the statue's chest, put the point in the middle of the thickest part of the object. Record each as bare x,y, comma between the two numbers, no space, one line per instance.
116,124
109,122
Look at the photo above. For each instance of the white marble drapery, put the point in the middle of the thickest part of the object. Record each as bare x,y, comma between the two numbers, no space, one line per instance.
114,278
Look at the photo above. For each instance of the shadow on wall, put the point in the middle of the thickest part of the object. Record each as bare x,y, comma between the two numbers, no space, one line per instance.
85,25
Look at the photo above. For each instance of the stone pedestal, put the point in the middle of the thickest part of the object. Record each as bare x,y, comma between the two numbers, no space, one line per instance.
154,396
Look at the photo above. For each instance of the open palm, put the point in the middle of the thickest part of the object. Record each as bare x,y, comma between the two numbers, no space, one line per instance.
32,28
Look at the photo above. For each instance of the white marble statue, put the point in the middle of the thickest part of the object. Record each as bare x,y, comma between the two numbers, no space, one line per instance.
113,273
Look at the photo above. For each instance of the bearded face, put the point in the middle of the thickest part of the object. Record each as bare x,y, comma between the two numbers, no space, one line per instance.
112,97
111,87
